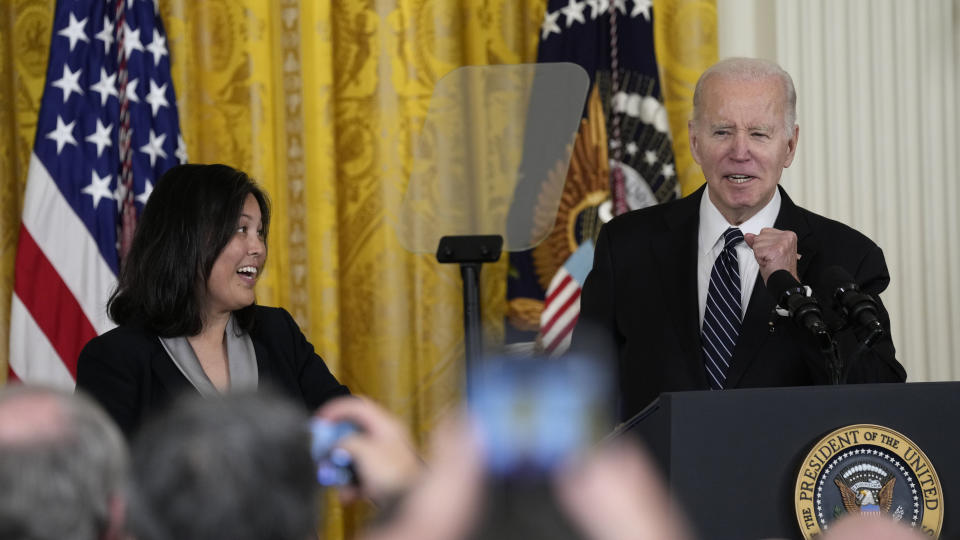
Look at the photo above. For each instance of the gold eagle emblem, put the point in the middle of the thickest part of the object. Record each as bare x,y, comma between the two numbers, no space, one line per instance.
864,500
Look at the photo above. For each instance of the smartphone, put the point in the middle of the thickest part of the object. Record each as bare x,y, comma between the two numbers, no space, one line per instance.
334,464
535,413
532,415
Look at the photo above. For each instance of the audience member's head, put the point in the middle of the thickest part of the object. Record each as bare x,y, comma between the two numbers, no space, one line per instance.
63,467
235,467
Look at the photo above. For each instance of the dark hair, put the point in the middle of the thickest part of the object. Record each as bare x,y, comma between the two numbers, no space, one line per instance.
244,459
188,220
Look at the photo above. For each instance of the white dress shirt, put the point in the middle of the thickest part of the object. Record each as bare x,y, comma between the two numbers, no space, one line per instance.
710,244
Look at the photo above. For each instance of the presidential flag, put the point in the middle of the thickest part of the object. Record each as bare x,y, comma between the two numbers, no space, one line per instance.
106,131
622,158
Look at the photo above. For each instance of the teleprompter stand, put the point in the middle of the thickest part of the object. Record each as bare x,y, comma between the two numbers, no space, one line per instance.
470,252
487,169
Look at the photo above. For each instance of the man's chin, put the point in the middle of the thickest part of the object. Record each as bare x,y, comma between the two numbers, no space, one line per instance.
740,209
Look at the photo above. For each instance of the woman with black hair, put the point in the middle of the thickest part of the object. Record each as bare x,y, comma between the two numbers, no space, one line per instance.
185,307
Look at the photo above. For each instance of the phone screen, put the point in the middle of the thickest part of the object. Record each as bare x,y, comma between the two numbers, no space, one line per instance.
534,413
334,464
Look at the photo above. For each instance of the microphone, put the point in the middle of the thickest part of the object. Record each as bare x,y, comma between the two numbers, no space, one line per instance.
803,309
856,306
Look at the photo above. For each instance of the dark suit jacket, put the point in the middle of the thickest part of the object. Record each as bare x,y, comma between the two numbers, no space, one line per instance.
130,374
640,304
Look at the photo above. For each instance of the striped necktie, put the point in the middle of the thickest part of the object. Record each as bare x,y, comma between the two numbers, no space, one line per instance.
721,318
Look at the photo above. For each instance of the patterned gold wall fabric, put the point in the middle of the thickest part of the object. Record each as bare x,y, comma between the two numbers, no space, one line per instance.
685,39
320,101
25,28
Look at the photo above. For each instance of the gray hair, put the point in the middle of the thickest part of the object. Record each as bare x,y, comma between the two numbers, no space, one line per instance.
751,69
236,466
62,461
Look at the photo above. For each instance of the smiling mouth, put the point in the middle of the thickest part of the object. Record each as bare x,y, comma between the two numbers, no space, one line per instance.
739,178
248,271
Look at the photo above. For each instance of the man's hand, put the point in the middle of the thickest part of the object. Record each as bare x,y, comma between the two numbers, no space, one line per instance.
774,250
383,455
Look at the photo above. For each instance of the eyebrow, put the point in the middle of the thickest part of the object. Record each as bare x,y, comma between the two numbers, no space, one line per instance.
730,125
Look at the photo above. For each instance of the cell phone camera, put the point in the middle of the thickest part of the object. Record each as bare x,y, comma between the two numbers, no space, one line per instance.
334,464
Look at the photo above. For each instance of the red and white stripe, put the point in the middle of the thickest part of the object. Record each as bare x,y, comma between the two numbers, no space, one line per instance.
60,289
560,312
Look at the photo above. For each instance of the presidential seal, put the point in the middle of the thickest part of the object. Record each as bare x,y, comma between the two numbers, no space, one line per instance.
871,470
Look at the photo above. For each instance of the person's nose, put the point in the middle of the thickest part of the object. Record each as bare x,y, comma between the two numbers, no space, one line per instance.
741,146
255,245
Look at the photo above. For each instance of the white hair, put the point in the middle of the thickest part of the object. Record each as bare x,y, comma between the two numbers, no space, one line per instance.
751,69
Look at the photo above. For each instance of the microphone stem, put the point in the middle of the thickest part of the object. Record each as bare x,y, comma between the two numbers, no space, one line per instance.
834,365
876,330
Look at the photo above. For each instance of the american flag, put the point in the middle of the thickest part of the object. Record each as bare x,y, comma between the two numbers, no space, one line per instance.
107,129
562,304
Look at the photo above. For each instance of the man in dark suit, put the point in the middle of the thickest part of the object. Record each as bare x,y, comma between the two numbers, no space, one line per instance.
677,291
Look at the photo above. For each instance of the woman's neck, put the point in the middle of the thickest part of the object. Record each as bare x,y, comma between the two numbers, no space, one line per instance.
211,350
214,328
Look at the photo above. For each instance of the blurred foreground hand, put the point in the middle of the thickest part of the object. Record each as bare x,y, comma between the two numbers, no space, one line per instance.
383,455
444,504
872,527
616,493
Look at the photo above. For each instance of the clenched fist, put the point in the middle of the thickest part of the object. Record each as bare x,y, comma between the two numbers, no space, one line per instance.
774,250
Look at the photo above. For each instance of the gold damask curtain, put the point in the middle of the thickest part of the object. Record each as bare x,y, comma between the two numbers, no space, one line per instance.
685,39
320,102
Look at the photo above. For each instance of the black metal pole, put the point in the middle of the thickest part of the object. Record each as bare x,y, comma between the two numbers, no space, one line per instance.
472,329
470,252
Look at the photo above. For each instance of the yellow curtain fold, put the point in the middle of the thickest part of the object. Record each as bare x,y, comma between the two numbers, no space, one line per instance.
25,29
685,40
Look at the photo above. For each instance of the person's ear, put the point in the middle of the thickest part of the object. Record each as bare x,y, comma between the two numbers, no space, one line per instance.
694,141
792,146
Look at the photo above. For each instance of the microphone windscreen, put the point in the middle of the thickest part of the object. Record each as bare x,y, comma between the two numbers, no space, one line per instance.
834,277
780,282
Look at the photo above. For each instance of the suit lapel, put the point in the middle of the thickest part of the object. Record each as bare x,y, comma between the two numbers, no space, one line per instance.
760,312
166,371
264,371
676,257
170,377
